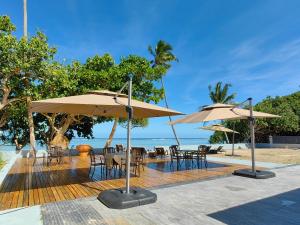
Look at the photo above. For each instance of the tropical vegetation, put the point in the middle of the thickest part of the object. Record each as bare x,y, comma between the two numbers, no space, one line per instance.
163,56
29,72
219,94
288,107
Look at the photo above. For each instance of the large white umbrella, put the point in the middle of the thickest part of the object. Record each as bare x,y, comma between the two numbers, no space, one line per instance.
107,104
229,112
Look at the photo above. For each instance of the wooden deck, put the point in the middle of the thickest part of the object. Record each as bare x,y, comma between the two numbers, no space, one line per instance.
28,185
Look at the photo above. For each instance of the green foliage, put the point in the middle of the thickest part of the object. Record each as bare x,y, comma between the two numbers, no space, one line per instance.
27,69
162,54
288,107
135,123
219,94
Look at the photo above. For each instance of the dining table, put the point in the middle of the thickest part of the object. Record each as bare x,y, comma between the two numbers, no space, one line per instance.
117,157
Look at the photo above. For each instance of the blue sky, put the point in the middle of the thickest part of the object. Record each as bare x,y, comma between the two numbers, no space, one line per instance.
254,45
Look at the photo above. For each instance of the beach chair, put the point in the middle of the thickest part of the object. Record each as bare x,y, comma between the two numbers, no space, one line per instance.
215,150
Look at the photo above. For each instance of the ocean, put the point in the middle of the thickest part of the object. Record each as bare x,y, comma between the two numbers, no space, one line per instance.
148,143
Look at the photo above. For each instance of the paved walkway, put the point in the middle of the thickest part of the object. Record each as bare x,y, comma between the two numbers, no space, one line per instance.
230,200
269,165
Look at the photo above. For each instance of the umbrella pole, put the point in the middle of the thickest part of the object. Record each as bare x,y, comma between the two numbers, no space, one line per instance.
253,173
233,134
129,111
251,120
226,137
120,198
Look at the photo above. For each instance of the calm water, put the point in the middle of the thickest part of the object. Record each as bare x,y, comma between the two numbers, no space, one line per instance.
144,142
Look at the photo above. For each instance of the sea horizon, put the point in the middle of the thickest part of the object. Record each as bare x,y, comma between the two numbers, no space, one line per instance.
147,142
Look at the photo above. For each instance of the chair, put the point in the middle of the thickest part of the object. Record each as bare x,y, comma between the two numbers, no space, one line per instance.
53,153
137,159
109,161
108,150
160,151
176,155
201,156
207,149
215,151
120,148
95,162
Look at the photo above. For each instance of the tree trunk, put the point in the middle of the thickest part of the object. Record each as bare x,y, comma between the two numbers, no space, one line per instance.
60,140
170,118
112,133
31,126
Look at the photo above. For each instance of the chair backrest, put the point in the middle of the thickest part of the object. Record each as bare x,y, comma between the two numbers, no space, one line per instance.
108,150
159,151
119,148
137,153
173,150
219,148
208,148
202,150
52,150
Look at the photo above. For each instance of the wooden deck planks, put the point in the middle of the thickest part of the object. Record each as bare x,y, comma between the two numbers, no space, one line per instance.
28,184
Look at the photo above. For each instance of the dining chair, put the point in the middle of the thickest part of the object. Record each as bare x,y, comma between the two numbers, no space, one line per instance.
175,154
94,162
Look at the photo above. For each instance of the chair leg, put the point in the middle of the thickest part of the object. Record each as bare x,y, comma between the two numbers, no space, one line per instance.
93,171
89,171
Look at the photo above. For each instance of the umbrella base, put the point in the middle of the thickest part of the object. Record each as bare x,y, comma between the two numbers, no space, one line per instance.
260,174
119,199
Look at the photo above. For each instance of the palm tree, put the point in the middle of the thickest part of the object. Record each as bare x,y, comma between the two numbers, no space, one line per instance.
219,94
163,56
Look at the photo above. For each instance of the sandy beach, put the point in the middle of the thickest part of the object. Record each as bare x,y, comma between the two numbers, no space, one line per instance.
275,155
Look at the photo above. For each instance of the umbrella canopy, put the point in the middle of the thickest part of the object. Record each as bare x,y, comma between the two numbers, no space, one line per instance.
228,112
221,112
218,127
100,103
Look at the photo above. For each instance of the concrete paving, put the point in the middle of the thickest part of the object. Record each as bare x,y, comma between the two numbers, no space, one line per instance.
229,200
268,165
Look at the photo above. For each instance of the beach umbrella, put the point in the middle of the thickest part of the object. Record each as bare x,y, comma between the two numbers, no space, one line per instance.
101,103
231,112
109,104
221,112
219,127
